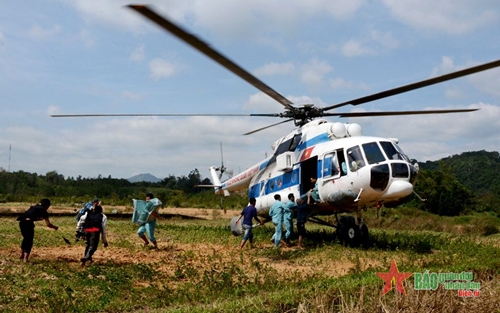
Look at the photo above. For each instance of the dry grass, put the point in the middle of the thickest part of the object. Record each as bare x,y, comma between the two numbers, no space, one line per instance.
199,268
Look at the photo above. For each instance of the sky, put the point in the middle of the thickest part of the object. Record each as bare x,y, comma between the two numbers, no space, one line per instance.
83,56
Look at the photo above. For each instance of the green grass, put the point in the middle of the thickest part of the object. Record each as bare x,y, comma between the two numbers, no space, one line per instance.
209,274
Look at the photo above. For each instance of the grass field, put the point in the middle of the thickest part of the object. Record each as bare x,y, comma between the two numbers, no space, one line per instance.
199,268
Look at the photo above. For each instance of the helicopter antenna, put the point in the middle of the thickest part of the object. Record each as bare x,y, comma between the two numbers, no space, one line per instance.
222,167
10,149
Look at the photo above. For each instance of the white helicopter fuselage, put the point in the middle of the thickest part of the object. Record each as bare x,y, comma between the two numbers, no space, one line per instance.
352,171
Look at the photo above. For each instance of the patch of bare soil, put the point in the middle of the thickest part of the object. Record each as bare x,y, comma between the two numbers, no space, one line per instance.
170,255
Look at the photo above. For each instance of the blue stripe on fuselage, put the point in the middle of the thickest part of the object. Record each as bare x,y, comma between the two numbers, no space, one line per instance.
275,184
287,179
313,141
304,145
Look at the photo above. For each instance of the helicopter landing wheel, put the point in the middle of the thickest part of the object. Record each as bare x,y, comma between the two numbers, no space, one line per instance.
348,232
364,235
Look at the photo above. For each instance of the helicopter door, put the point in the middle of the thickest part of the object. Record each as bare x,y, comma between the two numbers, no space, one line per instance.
308,169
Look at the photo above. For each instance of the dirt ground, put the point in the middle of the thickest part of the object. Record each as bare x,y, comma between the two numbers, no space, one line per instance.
169,252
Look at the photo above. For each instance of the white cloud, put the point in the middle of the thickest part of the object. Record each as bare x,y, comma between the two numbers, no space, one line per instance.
454,93
225,18
244,18
275,69
487,81
431,137
340,84
261,103
385,40
112,13
160,68
137,54
369,45
39,33
314,71
447,66
52,109
447,16
354,48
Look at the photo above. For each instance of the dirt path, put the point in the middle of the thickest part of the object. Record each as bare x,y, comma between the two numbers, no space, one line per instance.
169,255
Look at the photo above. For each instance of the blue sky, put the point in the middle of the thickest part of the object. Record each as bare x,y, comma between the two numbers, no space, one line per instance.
78,57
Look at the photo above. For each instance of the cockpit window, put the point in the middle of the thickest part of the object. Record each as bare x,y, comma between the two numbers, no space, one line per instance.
373,153
287,145
405,157
295,142
330,165
393,151
355,158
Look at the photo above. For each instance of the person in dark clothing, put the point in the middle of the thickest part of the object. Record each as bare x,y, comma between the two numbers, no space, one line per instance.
302,212
26,224
86,208
94,225
248,213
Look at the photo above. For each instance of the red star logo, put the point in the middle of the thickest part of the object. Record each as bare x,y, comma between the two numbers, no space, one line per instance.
394,276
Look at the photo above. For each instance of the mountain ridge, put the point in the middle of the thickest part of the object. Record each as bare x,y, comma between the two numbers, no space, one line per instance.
144,177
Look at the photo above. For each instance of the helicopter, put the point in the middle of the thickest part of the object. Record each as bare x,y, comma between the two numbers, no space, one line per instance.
352,172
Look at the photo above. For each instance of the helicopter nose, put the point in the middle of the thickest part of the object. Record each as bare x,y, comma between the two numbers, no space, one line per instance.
398,189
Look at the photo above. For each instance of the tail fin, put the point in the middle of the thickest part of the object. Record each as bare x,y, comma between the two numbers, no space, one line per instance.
216,181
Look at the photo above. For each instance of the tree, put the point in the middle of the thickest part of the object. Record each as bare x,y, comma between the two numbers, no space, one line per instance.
444,193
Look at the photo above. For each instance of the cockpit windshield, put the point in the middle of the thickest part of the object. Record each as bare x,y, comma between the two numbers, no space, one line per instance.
373,153
393,151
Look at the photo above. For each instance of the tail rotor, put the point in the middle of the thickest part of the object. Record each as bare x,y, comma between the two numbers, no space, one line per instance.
222,169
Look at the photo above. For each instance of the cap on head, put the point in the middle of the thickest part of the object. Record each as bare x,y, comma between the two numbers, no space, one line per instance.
150,195
96,200
45,202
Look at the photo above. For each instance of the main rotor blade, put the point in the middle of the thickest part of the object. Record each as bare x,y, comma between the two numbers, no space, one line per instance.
391,113
269,126
211,53
417,85
266,114
140,114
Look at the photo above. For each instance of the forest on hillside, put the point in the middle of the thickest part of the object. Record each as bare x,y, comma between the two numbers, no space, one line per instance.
469,182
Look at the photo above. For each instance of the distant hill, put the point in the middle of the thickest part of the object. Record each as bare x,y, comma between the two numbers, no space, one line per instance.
144,177
479,171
